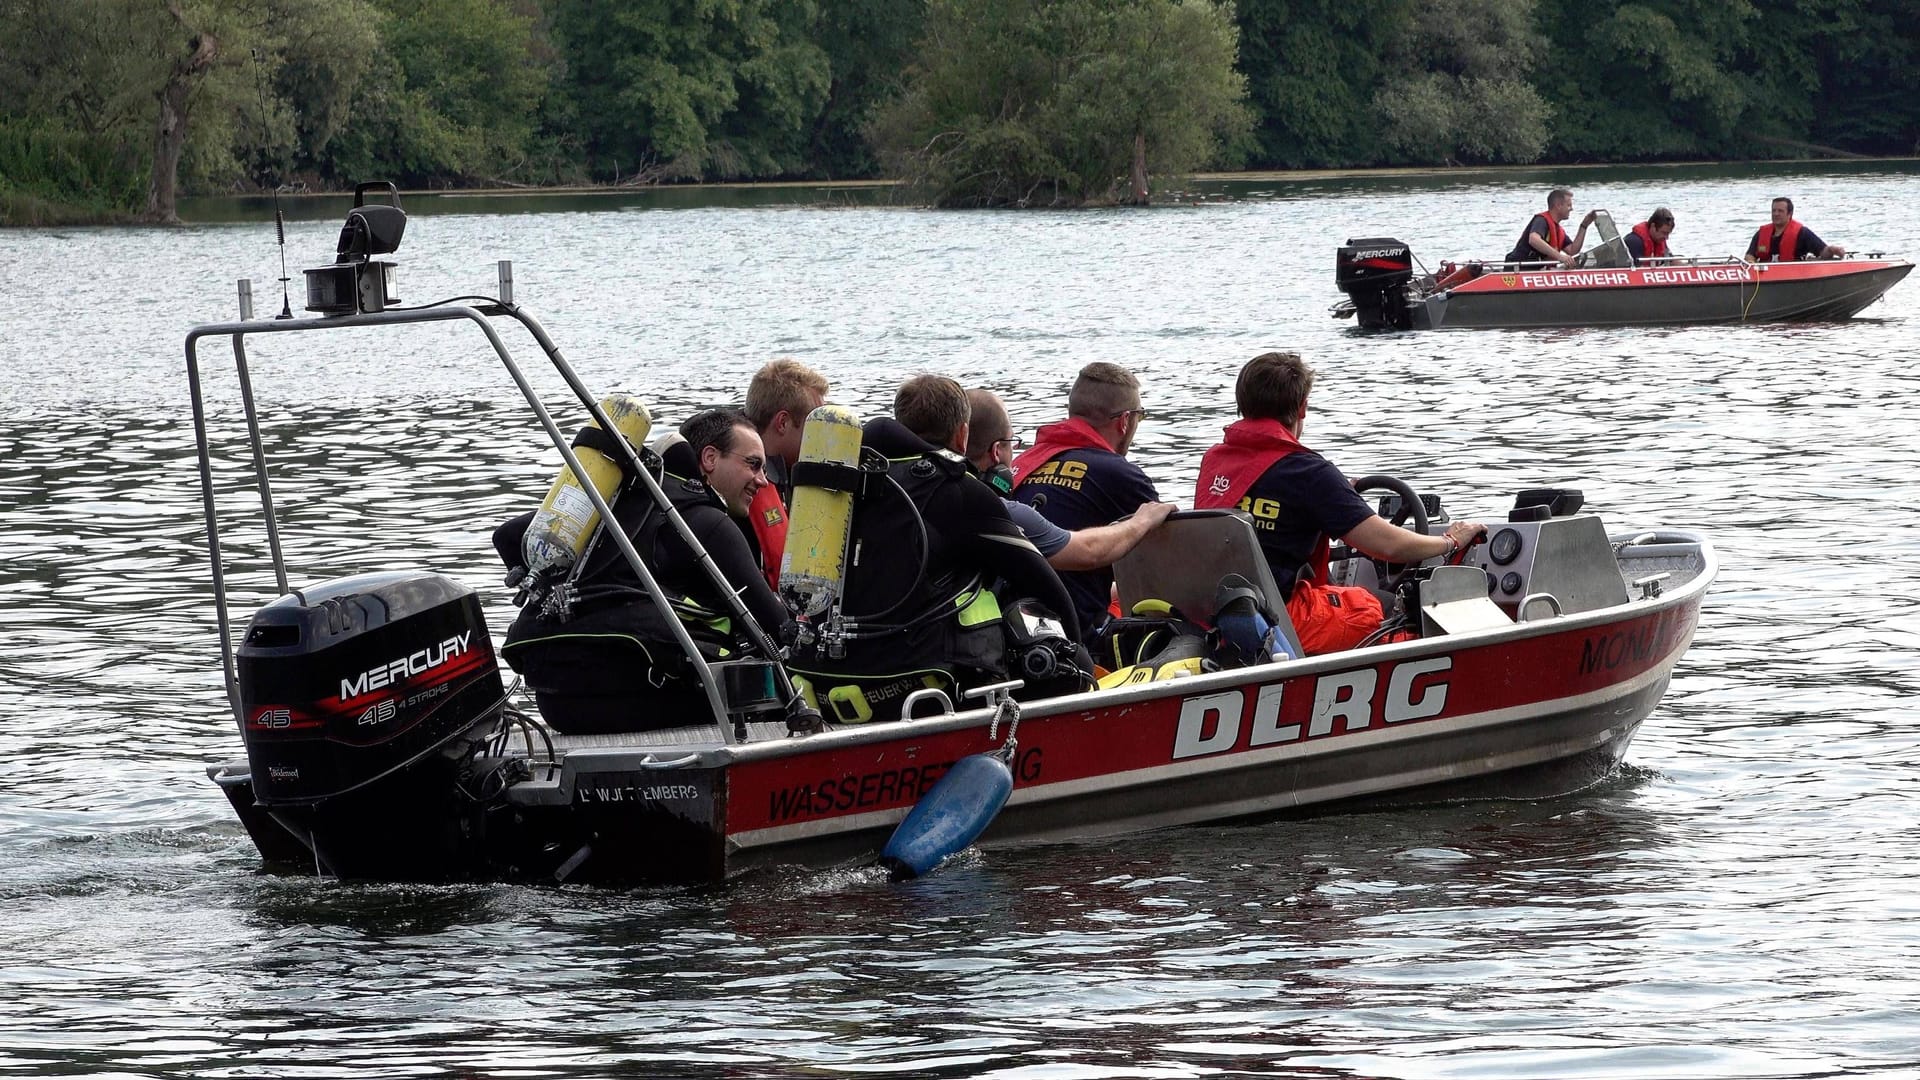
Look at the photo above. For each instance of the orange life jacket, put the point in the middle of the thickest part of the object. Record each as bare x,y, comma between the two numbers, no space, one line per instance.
1656,249
1787,251
1556,236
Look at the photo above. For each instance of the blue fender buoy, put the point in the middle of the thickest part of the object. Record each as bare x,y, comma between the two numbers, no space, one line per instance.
951,816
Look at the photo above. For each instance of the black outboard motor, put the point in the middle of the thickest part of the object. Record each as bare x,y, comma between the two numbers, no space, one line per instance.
1376,275
364,701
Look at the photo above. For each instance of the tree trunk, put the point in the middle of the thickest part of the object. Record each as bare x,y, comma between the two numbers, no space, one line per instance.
170,135
1139,177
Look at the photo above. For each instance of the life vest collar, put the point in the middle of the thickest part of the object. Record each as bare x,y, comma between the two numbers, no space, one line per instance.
1052,440
1248,448
1232,467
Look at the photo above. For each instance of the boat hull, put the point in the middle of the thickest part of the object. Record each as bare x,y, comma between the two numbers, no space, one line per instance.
1519,710
1400,719
1728,292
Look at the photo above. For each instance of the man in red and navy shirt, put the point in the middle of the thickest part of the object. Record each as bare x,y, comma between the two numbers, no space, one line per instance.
1786,240
1076,473
1298,499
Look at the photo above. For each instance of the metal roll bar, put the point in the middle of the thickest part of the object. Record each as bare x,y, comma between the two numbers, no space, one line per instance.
480,316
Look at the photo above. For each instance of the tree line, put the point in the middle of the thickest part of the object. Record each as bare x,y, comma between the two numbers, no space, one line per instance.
109,109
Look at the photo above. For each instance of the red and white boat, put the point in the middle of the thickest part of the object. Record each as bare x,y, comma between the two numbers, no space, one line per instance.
1607,287
382,742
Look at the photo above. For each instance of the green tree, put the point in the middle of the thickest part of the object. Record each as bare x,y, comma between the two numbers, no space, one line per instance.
693,88
1867,53
72,125
1312,68
453,93
1460,91
1654,79
868,44
1062,102
187,88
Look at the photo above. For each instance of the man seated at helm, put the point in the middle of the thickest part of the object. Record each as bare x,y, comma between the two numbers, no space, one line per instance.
608,662
1545,238
1298,499
925,545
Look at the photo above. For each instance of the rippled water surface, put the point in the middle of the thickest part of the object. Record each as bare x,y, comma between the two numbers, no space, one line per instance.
1742,901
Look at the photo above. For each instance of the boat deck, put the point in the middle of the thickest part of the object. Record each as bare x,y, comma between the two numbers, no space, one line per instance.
688,737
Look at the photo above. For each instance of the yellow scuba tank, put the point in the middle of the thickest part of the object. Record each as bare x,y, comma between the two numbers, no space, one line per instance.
566,518
813,570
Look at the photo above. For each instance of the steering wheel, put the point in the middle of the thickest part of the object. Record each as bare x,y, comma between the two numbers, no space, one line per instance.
1410,505
1409,500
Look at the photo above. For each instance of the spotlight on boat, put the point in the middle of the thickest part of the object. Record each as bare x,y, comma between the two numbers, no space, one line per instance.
357,282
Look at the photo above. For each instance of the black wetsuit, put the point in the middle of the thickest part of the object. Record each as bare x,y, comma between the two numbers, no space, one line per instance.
902,584
613,664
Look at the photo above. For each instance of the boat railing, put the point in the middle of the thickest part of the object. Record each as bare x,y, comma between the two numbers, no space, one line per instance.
480,314
1501,267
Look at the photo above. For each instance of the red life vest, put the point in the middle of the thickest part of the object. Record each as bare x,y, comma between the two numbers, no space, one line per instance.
1656,249
1249,449
1073,433
1556,238
1789,249
768,516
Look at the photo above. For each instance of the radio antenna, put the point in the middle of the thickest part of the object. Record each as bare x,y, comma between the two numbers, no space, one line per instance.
280,227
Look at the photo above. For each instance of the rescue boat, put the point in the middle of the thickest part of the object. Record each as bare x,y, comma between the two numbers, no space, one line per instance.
1606,287
382,741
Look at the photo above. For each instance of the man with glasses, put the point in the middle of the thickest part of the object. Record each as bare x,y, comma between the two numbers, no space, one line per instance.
990,448
605,662
1077,474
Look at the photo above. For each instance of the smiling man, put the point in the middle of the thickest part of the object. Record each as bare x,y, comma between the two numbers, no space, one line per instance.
606,660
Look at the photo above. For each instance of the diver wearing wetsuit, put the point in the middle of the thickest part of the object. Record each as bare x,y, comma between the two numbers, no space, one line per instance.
926,545
610,664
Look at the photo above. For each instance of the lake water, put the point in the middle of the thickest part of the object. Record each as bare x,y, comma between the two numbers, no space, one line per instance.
1742,901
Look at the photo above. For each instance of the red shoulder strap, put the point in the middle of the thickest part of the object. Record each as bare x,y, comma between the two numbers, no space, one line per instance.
768,516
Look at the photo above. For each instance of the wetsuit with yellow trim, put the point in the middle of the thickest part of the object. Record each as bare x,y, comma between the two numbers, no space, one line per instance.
937,625
611,664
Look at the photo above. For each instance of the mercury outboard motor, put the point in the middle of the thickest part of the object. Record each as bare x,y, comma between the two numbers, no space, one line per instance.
364,700
1376,275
